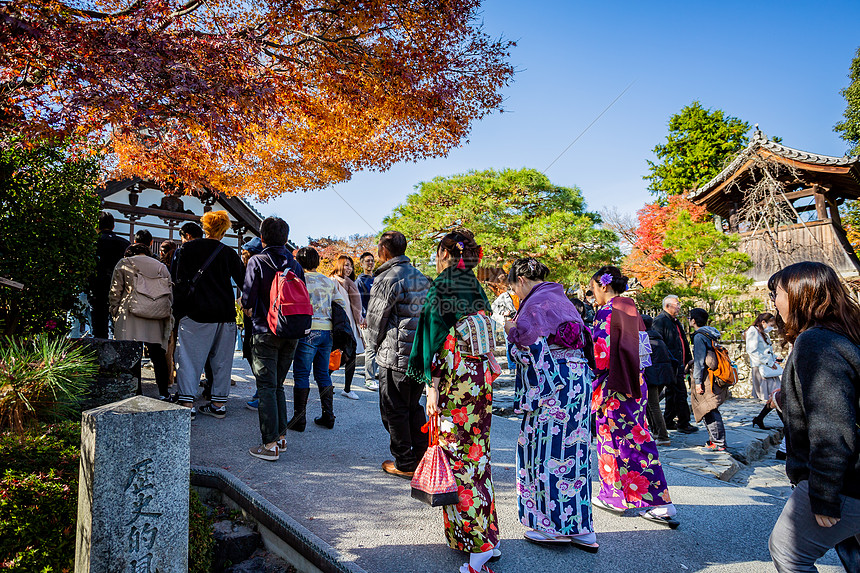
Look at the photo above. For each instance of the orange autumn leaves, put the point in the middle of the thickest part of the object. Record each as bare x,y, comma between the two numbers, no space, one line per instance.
647,252
250,99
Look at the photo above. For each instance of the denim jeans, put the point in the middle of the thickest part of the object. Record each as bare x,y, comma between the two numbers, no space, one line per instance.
313,351
271,358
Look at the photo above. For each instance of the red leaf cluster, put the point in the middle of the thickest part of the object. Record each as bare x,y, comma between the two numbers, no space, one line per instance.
252,98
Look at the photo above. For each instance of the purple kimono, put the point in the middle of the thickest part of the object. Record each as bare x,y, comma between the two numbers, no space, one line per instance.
627,459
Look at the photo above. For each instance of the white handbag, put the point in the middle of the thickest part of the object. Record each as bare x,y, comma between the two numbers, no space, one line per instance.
770,371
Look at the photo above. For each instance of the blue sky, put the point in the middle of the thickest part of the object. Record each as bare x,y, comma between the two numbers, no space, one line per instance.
778,64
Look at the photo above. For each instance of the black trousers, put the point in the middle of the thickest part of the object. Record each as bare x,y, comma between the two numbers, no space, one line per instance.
402,416
676,400
158,355
100,316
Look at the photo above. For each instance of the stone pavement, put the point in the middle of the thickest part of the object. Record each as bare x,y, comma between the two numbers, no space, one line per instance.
331,482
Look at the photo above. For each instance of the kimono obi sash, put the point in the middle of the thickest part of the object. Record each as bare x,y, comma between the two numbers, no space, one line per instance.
564,353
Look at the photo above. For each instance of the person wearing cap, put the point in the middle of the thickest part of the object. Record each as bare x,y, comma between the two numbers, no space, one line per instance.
253,246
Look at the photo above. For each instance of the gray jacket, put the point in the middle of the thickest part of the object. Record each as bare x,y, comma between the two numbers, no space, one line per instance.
396,300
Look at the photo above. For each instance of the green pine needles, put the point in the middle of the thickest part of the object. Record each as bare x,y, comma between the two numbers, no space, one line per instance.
41,379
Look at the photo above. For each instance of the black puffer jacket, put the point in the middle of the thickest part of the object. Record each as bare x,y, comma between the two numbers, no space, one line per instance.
396,300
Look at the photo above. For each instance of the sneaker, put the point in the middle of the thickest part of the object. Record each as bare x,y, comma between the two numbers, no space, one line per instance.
714,447
351,394
253,404
663,442
282,445
193,413
371,385
210,410
164,398
261,452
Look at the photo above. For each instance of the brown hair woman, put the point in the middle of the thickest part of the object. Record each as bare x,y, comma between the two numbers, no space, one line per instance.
821,389
344,275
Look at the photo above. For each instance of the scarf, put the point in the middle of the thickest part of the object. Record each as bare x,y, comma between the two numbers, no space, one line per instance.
541,313
454,294
624,328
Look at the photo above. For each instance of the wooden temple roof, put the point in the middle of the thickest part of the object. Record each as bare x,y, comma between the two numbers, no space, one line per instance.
840,176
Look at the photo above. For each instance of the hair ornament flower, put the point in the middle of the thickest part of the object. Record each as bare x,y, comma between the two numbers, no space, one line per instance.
605,279
460,245
480,253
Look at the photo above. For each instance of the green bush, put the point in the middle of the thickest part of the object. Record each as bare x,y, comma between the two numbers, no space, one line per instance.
201,540
39,498
39,503
48,212
41,379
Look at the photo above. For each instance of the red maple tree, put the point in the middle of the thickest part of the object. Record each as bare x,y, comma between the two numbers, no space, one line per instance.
252,98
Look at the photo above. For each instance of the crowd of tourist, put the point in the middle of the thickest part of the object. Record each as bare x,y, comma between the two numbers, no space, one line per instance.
583,372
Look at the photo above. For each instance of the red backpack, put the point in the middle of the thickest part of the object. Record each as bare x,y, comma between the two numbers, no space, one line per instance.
290,309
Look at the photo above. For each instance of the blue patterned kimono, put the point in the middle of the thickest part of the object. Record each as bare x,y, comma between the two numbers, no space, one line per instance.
553,388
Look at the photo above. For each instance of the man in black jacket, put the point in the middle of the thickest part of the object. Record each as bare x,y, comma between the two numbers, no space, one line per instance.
396,300
669,328
207,318
110,248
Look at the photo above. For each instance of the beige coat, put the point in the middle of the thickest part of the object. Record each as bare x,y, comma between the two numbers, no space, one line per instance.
128,326
713,397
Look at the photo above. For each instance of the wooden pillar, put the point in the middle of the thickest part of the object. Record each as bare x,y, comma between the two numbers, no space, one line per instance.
836,222
820,202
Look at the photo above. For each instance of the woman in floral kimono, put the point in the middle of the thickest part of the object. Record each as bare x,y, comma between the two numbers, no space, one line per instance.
553,385
628,464
460,391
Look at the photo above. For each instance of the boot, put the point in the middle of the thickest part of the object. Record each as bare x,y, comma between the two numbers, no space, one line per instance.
327,401
300,404
759,420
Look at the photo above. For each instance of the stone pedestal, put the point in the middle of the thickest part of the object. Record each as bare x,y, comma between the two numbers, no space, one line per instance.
119,370
133,493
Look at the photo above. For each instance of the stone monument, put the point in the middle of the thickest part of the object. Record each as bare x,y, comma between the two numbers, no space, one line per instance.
133,492
119,370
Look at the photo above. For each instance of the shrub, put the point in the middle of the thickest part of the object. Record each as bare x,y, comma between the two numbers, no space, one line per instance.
201,539
48,212
39,498
41,380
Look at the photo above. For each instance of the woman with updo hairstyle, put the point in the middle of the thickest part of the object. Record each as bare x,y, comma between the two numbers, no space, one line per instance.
553,384
459,372
628,463
821,408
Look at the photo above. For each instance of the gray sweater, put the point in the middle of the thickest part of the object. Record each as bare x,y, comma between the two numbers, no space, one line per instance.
821,387
396,300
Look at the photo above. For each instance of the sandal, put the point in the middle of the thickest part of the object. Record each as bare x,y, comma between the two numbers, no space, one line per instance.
470,569
599,503
670,522
541,537
587,547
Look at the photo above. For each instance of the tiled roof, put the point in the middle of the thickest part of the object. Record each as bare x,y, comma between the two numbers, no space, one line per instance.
759,141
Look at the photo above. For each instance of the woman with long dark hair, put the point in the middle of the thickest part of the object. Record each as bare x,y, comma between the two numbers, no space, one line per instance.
344,275
821,389
628,463
459,381
550,346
